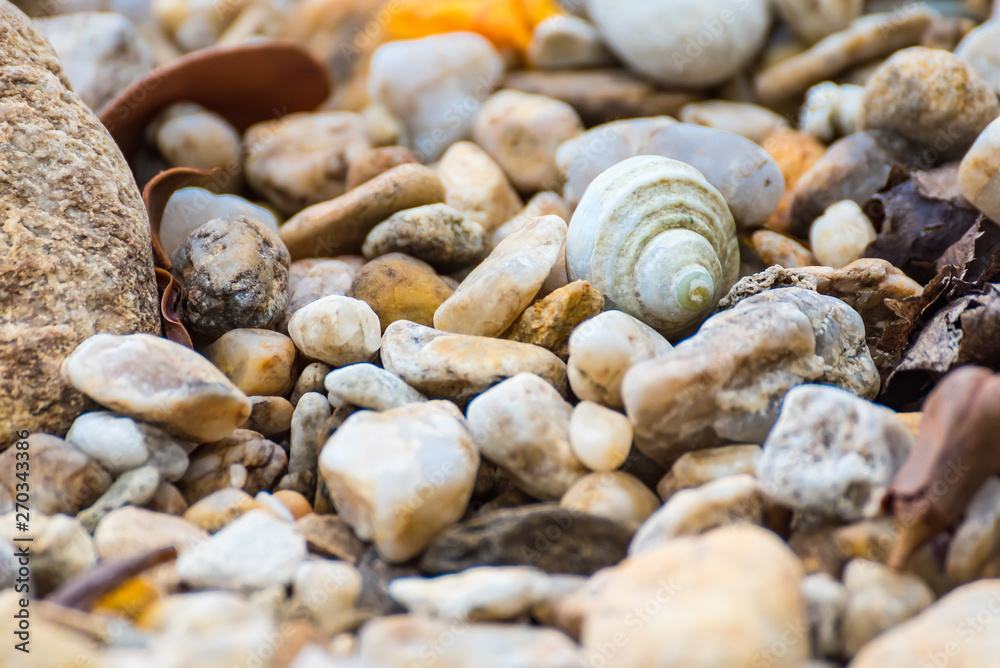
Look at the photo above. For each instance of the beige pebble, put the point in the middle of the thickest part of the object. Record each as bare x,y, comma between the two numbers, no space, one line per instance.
258,361
614,495
200,140
977,537
600,437
522,426
545,203
488,301
340,225
322,279
776,248
435,233
812,21
482,593
694,469
831,110
603,348
310,380
522,132
477,186
979,172
152,379
399,287
567,42
302,159
219,508
749,120
270,416
459,367
328,590
878,599
336,330
377,161
841,234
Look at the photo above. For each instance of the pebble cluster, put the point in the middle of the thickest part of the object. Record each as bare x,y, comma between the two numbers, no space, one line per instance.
560,335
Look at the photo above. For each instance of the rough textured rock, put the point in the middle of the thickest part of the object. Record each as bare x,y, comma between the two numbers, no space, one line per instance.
550,321
155,380
961,630
76,256
832,453
522,426
694,592
63,479
410,482
400,287
554,539
459,367
435,233
725,383
235,276
245,460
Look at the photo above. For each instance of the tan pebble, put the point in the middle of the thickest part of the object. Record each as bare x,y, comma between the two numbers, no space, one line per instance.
219,508
929,97
612,494
776,248
322,279
336,330
749,120
435,233
340,225
168,500
498,290
270,416
258,361
795,152
201,140
812,21
697,468
400,287
979,172
302,159
522,132
297,504
550,321
329,537
377,161
600,437
545,203
567,42
841,234
477,186
310,380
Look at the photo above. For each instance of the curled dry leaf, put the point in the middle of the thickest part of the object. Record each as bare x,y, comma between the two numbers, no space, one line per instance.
245,84
170,308
954,454
85,589
918,215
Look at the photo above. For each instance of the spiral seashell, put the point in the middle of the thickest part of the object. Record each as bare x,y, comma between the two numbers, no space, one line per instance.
657,240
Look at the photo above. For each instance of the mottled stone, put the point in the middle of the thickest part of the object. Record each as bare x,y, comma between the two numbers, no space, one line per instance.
522,132
930,97
436,234
603,348
377,161
101,53
742,118
340,225
152,379
725,383
329,537
400,287
62,478
132,488
567,42
547,536
436,85
119,444
258,361
694,592
245,460
550,321
832,453
722,502
697,468
615,495
522,426
410,482
190,208
484,593
252,552
368,386
498,290
269,416
401,641
459,367
219,508
312,411
599,437
336,330
477,186
77,256
302,159
878,599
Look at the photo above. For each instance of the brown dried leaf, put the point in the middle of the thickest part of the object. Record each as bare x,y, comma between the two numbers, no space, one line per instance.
919,218
976,254
170,308
245,84
158,191
954,454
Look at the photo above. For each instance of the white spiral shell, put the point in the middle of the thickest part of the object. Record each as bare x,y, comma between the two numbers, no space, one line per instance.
657,240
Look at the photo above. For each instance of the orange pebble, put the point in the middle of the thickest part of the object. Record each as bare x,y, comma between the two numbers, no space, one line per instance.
295,502
506,23
795,152
131,599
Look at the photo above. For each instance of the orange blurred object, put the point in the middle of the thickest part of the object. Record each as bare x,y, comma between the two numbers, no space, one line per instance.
506,23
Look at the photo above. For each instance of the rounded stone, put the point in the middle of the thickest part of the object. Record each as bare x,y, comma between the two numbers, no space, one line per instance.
234,274
477,186
929,97
435,233
567,42
376,161
600,437
841,235
336,330
199,140
399,287
258,361
190,208
979,172
368,386
614,495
